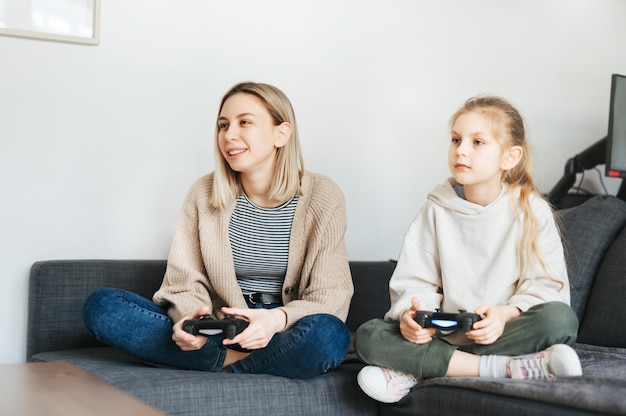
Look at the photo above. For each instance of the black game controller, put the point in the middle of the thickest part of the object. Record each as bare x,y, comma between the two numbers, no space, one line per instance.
206,325
447,321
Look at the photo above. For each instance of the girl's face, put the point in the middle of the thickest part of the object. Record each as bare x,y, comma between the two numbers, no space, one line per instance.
247,136
476,158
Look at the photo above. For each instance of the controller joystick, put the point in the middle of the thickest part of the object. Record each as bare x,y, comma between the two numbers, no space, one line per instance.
447,321
206,325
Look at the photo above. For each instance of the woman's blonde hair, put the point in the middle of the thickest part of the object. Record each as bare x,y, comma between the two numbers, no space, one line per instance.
289,166
509,130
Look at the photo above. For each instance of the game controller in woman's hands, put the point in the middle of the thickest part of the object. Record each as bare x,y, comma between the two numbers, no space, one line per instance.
206,325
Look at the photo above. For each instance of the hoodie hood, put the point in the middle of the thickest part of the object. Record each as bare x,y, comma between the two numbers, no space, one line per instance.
445,196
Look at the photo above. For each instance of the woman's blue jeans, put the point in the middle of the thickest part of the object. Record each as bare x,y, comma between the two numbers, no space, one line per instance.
122,319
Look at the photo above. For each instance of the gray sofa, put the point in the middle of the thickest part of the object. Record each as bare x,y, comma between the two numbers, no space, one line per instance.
595,240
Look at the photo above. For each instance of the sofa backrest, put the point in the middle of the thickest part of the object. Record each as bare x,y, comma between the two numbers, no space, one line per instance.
371,291
59,288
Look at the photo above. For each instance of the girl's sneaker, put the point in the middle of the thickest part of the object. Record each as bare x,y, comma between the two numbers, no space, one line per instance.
557,361
384,385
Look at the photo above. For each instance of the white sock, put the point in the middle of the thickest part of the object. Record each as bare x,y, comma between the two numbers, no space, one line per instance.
493,366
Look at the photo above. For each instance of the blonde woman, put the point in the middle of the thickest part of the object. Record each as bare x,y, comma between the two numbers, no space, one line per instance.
259,239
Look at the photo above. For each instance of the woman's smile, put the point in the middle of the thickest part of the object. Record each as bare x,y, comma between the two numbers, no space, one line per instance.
235,152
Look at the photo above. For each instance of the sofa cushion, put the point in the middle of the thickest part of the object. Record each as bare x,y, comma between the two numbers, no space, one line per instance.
605,317
197,393
588,230
600,391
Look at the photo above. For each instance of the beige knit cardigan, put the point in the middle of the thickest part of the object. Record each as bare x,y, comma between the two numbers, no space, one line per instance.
200,269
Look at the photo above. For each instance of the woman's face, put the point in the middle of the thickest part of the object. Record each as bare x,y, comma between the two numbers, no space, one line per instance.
247,136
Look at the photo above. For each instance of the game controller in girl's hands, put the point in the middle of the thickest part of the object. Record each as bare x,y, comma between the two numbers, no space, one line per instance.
208,326
447,321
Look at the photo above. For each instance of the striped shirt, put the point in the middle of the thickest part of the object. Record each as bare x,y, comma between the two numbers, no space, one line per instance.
259,239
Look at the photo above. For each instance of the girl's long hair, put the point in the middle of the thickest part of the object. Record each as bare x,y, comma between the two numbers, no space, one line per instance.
509,126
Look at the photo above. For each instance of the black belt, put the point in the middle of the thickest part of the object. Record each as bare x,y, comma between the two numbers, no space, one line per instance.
263,298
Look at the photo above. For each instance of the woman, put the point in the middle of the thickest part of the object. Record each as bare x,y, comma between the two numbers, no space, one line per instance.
258,239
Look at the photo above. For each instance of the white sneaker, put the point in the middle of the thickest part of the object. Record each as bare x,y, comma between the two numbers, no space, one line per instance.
557,361
384,385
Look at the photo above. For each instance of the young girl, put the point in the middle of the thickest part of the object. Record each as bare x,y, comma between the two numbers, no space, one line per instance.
258,239
485,242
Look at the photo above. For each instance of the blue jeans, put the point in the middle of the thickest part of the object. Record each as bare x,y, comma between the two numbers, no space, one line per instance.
314,345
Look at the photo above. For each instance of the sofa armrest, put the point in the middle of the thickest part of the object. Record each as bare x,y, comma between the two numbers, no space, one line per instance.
58,289
588,230
605,315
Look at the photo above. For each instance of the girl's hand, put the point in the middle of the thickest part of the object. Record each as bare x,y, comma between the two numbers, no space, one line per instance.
410,330
185,340
264,323
488,330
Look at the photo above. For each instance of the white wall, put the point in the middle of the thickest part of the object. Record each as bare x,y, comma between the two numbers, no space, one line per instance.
98,145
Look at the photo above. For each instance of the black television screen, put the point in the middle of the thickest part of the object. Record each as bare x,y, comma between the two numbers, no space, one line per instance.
616,139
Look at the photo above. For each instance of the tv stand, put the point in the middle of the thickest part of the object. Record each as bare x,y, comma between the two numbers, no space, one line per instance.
621,192
589,158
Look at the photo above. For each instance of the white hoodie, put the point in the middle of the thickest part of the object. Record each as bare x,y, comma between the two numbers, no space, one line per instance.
460,255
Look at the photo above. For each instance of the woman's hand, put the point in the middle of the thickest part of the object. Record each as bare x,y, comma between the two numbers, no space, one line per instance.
410,330
264,323
488,330
185,340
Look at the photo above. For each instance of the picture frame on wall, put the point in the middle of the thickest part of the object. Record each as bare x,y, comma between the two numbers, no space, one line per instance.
74,21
